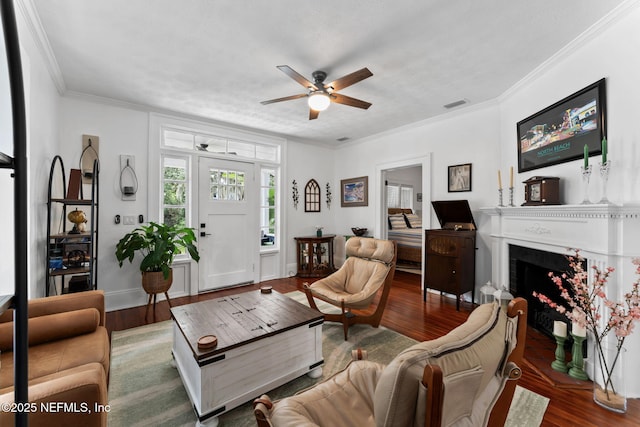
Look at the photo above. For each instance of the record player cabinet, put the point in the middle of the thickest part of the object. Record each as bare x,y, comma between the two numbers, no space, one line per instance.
450,251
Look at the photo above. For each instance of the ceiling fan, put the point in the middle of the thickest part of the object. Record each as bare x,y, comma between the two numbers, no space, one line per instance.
320,94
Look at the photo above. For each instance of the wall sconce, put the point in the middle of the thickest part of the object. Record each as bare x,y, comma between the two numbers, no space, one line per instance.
128,178
90,146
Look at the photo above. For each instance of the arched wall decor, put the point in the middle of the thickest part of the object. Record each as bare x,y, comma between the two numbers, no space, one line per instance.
312,196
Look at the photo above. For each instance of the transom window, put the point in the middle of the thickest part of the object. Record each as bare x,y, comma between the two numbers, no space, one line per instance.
218,145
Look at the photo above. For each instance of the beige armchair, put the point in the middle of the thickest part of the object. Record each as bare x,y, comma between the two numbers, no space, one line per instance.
465,378
370,266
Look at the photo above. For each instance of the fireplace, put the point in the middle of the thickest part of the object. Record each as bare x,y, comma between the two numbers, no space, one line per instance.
527,242
528,272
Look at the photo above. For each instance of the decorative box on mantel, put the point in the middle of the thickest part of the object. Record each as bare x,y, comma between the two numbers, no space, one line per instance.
607,235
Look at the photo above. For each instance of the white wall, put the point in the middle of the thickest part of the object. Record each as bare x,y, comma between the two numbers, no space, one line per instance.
304,162
449,143
121,131
42,110
607,51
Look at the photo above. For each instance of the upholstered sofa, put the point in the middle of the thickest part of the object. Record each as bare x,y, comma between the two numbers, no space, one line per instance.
68,361
460,379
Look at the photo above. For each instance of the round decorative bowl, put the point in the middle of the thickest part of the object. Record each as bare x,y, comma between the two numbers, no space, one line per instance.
358,231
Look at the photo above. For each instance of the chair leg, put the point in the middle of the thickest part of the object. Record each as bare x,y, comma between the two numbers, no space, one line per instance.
345,325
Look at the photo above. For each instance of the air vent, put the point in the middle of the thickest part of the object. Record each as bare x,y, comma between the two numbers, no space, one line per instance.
455,104
343,139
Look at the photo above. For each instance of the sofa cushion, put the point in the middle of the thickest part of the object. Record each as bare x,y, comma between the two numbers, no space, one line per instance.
479,342
84,385
53,327
52,357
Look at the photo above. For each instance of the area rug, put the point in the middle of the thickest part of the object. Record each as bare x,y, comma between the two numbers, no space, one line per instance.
145,389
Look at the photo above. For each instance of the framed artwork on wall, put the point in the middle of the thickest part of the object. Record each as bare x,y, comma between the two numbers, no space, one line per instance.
459,178
567,130
354,192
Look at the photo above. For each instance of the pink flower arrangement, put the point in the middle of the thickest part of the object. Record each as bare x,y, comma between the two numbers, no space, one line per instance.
583,300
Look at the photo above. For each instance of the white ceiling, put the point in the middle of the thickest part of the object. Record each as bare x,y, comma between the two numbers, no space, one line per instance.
217,59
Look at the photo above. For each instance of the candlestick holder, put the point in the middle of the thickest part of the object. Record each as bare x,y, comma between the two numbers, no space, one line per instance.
500,198
604,174
577,360
511,197
586,173
560,364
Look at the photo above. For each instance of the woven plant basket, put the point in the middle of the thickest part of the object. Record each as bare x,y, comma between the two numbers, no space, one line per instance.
153,282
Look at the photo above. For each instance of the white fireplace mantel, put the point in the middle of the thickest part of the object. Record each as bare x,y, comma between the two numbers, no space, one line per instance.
606,234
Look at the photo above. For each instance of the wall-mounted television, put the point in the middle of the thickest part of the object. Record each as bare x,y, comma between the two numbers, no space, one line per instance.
560,132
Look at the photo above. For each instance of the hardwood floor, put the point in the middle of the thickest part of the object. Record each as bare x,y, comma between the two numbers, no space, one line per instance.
407,314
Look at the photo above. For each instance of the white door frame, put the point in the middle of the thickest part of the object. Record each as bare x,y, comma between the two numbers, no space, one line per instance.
381,216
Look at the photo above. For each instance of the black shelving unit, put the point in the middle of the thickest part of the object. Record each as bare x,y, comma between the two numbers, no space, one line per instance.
76,253
18,163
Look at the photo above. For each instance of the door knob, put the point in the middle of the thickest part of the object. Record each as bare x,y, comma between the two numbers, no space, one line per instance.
203,234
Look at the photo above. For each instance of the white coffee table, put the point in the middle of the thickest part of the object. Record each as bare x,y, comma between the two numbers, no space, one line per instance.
264,341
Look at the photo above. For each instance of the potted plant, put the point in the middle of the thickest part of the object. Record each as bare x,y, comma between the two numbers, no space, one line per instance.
158,244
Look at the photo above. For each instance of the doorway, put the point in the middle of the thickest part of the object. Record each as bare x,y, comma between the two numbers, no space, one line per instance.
228,223
400,180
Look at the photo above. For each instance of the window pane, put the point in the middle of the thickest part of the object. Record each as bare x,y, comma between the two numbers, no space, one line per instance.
211,144
174,193
215,191
393,196
175,216
178,139
242,149
267,178
267,152
232,193
264,196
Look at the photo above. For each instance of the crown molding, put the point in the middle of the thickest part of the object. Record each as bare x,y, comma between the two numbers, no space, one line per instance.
615,15
34,24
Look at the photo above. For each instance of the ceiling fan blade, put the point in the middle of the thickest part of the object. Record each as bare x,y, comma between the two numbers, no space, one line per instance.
286,98
297,77
350,79
313,114
347,100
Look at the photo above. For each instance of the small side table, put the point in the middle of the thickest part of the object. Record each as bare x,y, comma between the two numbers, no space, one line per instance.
315,255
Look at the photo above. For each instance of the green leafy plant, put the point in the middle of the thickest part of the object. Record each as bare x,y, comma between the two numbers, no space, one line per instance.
158,244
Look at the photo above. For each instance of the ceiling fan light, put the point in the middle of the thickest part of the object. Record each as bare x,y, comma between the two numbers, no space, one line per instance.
319,101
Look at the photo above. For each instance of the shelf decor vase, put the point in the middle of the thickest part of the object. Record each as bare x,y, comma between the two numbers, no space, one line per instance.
609,380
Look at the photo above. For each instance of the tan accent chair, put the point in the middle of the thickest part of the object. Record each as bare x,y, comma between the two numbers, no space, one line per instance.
370,266
460,379
68,360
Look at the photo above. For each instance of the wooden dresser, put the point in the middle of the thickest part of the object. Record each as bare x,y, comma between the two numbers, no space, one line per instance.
450,252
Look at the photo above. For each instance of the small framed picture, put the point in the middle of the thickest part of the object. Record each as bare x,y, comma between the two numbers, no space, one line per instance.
460,178
354,192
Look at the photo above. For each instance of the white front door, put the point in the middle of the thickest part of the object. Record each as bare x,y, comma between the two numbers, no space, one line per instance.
228,231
